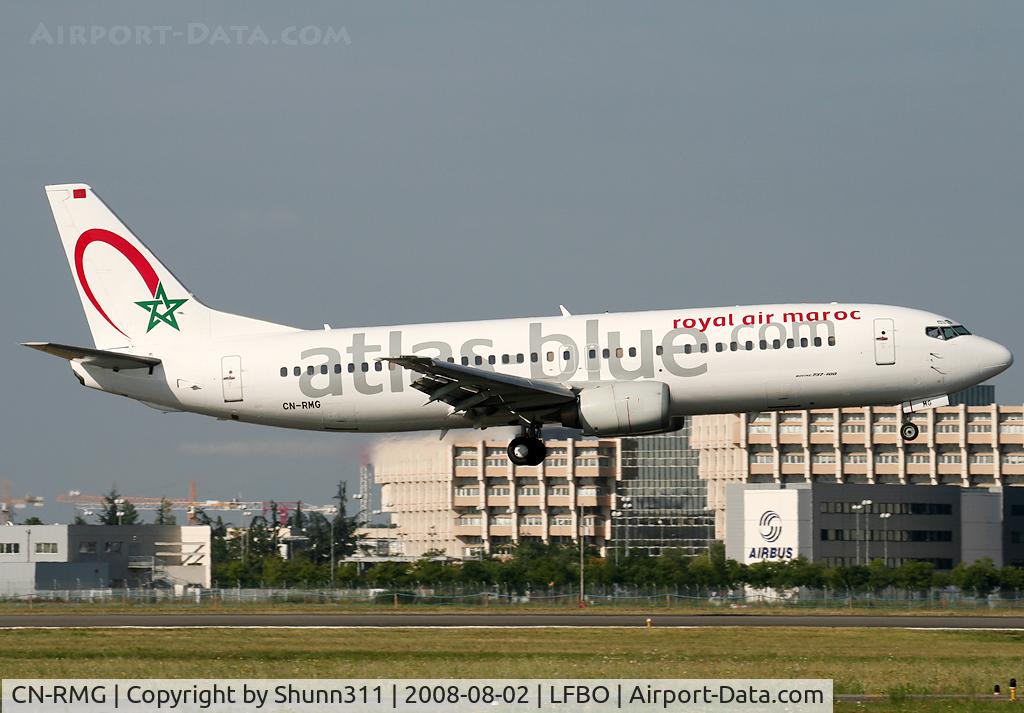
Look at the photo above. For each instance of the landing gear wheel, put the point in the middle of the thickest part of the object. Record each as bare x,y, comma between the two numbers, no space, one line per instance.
909,431
525,450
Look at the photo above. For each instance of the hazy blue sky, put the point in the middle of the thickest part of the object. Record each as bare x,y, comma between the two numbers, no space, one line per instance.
475,160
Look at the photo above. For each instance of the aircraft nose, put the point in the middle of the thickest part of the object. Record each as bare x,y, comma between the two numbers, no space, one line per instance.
994,359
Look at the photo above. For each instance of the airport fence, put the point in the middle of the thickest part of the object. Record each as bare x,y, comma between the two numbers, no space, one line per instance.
598,597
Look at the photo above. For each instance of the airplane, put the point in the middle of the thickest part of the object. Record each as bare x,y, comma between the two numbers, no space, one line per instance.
611,374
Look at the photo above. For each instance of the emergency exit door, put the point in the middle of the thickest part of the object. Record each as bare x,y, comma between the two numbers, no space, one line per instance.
885,342
231,378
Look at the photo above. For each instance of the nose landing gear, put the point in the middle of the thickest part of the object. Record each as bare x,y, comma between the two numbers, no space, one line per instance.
909,430
528,448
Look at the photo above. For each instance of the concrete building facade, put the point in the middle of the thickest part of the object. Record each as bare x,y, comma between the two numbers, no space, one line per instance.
463,497
42,557
965,446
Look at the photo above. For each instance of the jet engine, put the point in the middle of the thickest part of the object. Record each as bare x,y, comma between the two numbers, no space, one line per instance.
621,408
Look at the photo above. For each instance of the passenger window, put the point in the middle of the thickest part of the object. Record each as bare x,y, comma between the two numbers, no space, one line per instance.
763,344
592,354
392,366
550,356
605,353
364,366
478,360
749,346
337,368
323,368
491,359
351,368
790,344
519,359
377,366
632,351
451,360
776,344
504,359
298,371
803,341
618,352
733,346
687,348
659,350
534,357
310,370
831,341
817,341
719,346
284,371
566,356
465,361
704,348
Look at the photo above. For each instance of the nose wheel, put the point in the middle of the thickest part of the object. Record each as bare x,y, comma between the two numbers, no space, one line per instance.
527,450
909,430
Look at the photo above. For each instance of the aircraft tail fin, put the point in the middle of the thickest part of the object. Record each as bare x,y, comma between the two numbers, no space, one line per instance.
130,298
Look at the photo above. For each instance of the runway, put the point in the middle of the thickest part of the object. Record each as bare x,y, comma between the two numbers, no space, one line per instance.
378,620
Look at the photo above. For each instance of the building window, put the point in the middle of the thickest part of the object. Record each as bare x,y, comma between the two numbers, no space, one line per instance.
10,548
46,548
87,548
112,548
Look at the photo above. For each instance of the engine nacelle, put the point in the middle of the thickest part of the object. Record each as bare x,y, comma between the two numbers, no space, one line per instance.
620,408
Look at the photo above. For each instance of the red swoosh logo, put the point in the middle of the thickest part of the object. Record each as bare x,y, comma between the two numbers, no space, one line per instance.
130,252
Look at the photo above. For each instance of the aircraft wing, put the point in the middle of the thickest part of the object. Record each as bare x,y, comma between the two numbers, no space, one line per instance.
97,357
469,389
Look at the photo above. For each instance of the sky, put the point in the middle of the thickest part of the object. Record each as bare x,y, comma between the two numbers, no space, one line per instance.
471,160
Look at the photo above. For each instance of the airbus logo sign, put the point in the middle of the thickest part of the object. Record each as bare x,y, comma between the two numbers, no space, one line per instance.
770,526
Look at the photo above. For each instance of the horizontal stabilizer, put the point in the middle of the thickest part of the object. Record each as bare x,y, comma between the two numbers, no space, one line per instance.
96,357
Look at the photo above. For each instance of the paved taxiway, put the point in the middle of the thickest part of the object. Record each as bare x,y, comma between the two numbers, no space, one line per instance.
503,620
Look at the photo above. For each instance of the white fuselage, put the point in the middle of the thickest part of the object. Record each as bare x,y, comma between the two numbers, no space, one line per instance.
714,360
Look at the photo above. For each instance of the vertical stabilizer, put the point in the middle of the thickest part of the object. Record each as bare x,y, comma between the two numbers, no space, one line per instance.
130,298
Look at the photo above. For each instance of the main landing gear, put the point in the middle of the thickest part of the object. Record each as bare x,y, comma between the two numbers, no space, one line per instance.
909,430
527,448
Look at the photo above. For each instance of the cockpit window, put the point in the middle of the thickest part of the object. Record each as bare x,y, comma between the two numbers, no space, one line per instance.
946,333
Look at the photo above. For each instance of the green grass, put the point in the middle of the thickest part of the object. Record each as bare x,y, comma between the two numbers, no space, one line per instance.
888,662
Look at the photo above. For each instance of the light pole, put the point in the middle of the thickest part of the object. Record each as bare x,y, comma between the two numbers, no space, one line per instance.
120,513
856,531
627,506
582,534
885,536
867,527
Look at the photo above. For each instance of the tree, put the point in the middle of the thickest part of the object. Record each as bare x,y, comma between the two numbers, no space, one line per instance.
980,576
164,514
117,511
33,521
343,527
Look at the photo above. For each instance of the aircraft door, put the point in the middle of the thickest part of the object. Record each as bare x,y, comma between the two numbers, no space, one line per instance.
885,342
231,378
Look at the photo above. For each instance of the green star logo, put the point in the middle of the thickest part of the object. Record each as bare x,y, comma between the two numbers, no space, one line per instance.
153,307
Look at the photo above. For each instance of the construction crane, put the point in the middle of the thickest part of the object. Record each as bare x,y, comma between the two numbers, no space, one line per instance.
91,503
7,503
